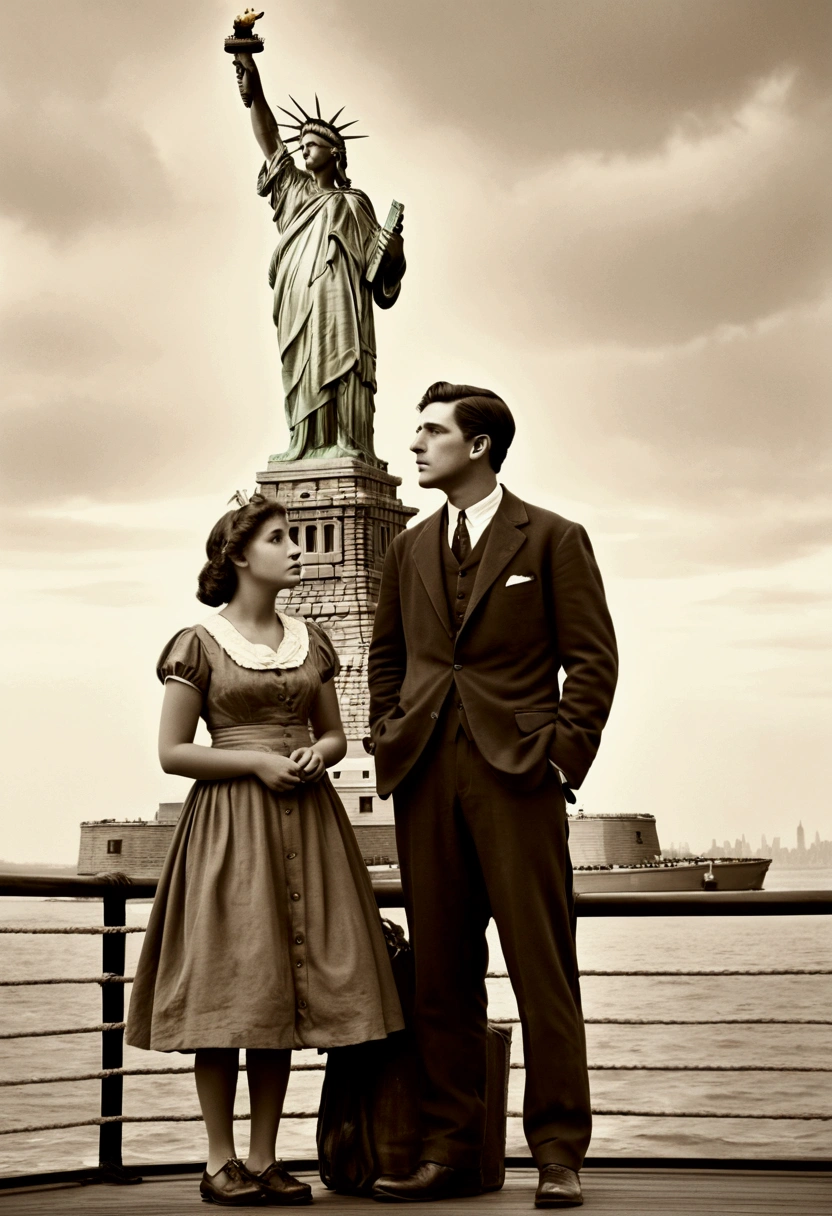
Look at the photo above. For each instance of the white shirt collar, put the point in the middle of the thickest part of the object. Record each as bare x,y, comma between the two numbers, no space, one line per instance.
477,517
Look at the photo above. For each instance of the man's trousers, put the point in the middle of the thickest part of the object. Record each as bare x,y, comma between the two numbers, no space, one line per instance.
471,847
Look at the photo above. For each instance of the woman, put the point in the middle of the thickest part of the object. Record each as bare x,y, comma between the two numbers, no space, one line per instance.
264,933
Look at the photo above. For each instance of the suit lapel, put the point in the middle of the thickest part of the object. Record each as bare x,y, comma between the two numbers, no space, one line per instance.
504,539
427,558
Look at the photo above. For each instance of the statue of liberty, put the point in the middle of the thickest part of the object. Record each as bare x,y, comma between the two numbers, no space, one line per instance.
328,237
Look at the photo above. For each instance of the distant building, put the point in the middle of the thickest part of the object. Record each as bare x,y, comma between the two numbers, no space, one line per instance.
801,838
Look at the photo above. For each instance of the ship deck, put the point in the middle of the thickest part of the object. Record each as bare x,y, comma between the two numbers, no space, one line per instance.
657,1192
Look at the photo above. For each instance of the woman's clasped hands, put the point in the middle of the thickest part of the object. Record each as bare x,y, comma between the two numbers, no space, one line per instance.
284,773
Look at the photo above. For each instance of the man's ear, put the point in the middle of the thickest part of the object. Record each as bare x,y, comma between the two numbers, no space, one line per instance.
480,447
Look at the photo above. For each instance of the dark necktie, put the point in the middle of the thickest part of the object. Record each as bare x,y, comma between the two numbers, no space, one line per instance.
461,544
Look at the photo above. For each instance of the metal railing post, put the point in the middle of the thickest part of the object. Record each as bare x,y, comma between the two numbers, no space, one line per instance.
112,1041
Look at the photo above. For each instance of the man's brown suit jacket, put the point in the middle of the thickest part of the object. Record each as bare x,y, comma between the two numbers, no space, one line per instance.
508,652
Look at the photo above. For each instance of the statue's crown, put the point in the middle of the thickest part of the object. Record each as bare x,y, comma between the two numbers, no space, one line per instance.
316,122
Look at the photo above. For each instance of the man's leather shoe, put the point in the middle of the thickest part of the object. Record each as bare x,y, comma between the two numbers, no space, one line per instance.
559,1187
282,1188
428,1181
232,1185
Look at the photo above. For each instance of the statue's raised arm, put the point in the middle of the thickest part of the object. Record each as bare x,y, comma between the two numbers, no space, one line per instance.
328,241
263,121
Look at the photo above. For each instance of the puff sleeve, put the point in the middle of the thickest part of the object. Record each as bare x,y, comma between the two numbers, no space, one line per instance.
324,654
184,659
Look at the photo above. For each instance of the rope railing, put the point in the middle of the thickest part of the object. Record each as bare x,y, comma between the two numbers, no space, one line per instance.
71,930
491,975
131,1072
112,983
79,979
100,1028
101,1074
504,975
102,1121
692,1021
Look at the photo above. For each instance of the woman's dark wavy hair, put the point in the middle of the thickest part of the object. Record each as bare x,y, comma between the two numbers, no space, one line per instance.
478,411
228,539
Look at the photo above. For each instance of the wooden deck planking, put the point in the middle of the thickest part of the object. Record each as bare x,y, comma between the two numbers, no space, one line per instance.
611,1192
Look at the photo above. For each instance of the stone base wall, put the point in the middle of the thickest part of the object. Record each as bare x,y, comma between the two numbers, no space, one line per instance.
142,848
345,514
377,842
621,840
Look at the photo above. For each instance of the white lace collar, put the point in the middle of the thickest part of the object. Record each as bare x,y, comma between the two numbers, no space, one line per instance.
256,656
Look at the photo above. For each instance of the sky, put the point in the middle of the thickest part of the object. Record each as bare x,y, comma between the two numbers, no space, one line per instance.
618,216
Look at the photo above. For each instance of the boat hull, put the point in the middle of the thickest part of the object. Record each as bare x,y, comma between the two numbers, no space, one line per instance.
739,875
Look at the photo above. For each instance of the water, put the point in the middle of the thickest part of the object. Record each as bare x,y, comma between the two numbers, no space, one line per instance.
804,941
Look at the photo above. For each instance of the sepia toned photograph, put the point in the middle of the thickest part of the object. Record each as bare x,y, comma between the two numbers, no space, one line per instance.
416,446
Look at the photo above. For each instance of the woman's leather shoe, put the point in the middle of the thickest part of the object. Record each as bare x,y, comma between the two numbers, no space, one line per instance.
232,1185
281,1187
428,1181
559,1187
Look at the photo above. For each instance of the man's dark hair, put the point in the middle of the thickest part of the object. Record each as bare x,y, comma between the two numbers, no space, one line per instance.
477,411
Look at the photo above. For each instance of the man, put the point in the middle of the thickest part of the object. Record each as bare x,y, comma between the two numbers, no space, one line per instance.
480,607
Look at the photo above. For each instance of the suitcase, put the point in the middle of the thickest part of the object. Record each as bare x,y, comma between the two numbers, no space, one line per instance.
368,1119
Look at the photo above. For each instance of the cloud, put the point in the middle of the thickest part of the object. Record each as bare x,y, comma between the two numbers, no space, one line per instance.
78,165
67,335
722,224
686,543
27,531
69,119
108,594
794,641
538,80
66,445
770,599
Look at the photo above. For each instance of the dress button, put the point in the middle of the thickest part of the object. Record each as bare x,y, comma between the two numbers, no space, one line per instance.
298,940
296,896
460,595
299,963
291,856
434,716
280,697
457,667
301,1004
288,811
462,573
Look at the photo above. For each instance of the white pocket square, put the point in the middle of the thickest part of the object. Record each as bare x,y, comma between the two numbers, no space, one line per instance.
514,579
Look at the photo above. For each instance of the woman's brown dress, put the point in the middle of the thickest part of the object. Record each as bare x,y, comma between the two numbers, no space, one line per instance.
265,931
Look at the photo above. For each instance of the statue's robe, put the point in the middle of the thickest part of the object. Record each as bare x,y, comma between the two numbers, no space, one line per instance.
323,310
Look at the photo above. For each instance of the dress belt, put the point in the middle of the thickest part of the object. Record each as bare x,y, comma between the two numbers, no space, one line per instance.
261,737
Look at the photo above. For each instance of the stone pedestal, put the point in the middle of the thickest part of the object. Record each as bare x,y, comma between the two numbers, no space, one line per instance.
343,514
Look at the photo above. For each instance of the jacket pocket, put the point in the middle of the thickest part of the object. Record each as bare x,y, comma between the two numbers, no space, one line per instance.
528,721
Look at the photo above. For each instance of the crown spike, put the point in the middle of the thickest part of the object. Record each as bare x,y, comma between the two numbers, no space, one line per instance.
344,125
336,115
318,106
295,117
294,125
300,107
355,137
